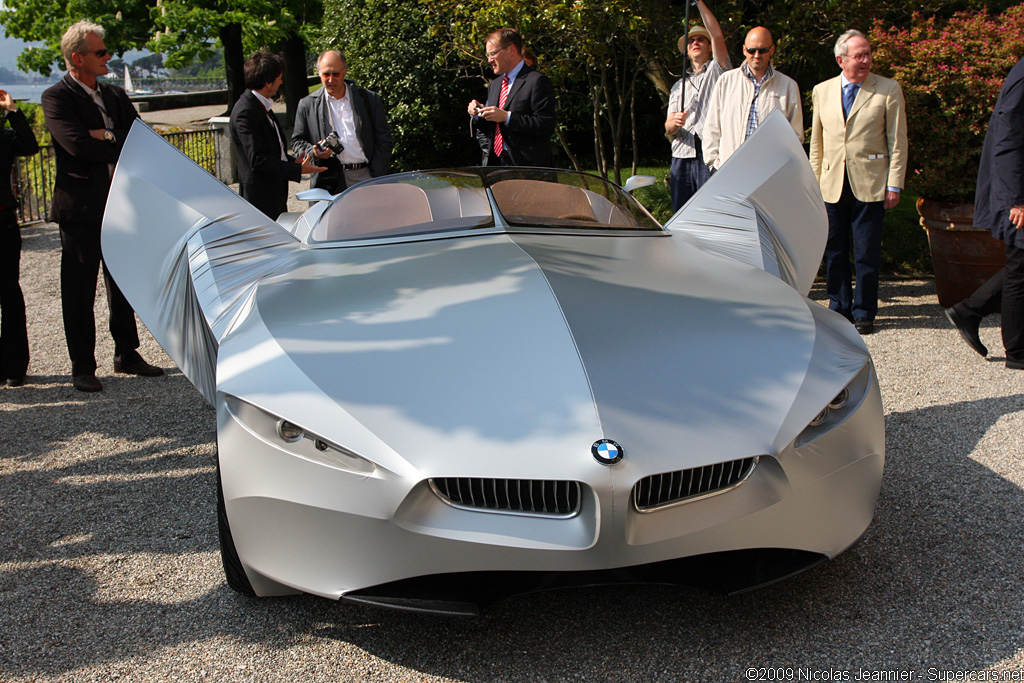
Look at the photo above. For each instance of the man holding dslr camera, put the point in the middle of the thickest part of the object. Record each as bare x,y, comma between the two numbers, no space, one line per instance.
344,127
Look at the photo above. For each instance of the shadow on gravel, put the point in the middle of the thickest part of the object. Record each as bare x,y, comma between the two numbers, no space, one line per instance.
906,304
934,583
40,237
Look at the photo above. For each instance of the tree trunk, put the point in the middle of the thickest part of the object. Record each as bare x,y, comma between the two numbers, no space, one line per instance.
293,49
234,59
565,147
632,125
595,104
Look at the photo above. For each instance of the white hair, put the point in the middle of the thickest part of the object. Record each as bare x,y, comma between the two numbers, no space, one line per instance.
74,39
843,39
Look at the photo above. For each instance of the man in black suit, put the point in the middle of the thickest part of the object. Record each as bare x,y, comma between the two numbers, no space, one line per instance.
514,128
999,206
361,147
88,122
264,167
17,141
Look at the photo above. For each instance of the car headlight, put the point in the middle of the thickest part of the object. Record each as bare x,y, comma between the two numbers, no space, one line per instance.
843,405
289,432
294,439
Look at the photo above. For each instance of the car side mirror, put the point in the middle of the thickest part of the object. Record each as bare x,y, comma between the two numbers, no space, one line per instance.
633,182
317,194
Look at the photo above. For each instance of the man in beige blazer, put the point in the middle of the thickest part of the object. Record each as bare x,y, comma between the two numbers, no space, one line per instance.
859,155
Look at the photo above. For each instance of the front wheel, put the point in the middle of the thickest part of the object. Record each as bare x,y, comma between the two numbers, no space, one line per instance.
233,570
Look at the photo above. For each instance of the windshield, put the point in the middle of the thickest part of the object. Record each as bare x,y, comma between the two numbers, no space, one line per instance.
425,202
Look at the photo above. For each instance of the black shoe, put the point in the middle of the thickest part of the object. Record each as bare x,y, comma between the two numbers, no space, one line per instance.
864,326
137,367
967,326
87,383
16,381
1014,364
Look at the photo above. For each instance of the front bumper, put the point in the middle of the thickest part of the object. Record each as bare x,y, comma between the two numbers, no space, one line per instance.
305,526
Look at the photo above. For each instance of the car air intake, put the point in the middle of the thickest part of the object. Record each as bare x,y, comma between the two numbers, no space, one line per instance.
682,486
511,496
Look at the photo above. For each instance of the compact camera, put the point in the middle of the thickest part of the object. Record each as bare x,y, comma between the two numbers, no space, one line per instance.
332,143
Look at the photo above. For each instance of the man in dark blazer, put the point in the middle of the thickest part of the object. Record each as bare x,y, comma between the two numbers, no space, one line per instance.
999,206
88,122
516,130
16,141
357,118
264,167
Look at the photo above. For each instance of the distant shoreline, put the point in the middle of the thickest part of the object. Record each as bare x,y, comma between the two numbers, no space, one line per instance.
28,92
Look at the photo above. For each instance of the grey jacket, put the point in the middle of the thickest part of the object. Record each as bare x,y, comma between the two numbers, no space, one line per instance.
312,124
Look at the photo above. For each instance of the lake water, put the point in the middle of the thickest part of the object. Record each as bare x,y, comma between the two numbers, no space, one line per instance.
30,93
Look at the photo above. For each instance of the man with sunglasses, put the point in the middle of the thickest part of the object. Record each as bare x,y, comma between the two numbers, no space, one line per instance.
88,121
514,127
684,124
859,155
743,98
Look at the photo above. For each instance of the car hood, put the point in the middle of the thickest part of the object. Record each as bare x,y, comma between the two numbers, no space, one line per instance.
524,350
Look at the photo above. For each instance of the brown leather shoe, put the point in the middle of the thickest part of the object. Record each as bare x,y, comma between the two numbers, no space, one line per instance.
138,367
86,383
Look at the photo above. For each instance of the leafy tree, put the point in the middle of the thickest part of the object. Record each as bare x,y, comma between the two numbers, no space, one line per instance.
128,25
190,29
183,30
150,64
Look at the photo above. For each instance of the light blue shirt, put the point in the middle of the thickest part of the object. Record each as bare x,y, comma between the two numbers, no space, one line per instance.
512,79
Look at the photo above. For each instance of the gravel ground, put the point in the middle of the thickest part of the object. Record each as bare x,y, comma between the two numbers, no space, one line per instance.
109,563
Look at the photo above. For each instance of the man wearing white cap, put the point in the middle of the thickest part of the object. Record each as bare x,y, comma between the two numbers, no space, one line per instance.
688,102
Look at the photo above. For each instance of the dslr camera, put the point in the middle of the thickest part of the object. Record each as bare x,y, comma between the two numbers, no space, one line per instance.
330,142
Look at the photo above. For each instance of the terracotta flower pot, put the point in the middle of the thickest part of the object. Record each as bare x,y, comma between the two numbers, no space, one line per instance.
963,256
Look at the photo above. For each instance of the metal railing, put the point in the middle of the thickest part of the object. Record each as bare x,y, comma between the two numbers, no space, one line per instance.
32,177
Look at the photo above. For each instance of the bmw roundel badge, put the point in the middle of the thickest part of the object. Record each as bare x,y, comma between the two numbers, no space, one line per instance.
607,452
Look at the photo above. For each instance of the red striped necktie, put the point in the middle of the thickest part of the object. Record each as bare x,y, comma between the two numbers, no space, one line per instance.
499,143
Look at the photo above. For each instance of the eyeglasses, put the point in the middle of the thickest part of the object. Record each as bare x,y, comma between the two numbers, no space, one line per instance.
492,53
102,52
695,39
758,50
860,57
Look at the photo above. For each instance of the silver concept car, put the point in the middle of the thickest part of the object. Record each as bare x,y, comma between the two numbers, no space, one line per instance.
445,387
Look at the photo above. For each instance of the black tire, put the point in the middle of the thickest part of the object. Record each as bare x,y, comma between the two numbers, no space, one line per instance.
233,571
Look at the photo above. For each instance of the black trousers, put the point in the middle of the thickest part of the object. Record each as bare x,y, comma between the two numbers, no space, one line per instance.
1013,304
13,326
79,267
1006,289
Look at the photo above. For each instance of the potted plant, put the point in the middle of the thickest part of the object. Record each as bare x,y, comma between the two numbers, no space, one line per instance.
951,72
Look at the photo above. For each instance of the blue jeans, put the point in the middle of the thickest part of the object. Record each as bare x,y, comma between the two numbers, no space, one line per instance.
863,220
686,177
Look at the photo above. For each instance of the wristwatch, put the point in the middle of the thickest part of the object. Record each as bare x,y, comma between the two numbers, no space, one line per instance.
108,135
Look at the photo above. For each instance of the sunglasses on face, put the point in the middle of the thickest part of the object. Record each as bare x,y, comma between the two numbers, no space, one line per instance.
757,50
99,53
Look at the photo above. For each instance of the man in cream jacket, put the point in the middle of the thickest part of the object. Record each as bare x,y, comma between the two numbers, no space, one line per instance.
743,98
858,153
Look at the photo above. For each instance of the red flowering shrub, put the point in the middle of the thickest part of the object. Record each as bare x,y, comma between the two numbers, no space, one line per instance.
951,73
